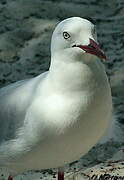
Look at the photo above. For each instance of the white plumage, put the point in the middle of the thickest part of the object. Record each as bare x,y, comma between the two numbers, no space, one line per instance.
56,117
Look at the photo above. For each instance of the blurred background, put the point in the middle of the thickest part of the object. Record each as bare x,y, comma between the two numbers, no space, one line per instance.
25,32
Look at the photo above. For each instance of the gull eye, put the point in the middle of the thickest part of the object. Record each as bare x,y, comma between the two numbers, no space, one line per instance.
66,35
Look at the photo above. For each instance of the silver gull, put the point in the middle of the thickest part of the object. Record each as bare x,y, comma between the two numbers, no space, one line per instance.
56,117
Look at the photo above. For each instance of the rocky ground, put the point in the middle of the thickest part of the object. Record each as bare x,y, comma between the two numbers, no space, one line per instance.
25,31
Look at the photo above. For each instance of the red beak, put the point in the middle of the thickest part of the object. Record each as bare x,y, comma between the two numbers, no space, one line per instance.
93,48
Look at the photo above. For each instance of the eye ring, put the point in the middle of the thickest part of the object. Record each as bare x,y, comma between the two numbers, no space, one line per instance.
66,35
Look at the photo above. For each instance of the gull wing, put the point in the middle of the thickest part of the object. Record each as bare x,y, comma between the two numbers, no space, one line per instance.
14,102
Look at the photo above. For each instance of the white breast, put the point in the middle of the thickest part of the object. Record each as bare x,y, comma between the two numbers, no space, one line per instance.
71,129
63,125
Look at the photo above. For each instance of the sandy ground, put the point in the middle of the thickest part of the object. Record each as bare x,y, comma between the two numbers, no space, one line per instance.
25,31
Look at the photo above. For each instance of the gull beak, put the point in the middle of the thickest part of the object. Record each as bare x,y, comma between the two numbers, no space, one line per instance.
93,48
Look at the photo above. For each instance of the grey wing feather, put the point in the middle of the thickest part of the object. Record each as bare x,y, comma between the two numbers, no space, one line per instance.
14,102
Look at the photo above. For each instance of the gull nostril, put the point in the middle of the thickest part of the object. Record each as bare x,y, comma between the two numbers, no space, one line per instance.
90,45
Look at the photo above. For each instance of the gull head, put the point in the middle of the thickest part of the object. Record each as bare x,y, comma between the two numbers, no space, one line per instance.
76,37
